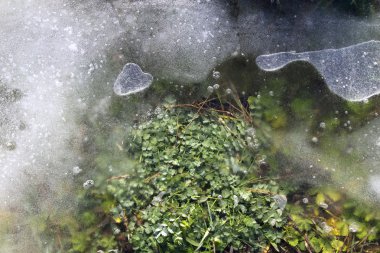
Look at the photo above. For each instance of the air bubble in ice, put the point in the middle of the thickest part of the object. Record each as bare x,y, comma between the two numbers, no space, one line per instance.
378,142
115,231
216,74
132,80
281,200
158,199
73,47
10,145
326,228
236,200
353,227
76,170
88,184
323,205
314,139
336,65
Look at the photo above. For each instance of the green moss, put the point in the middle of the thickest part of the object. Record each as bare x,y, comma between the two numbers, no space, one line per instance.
302,108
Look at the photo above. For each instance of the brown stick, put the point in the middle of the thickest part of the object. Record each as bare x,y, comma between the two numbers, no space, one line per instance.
118,177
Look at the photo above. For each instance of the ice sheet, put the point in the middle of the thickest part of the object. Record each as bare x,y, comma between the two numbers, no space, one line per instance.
131,80
351,72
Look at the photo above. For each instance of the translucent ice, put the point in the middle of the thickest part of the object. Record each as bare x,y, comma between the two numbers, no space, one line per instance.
374,183
281,201
88,184
351,72
132,80
45,62
171,42
54,51
360,147
174,44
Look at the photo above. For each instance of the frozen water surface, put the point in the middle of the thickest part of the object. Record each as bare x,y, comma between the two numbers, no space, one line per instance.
351,72
132,80
49,52
59,59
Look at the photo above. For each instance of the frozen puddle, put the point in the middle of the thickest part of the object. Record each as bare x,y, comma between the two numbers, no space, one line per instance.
351,72
132,80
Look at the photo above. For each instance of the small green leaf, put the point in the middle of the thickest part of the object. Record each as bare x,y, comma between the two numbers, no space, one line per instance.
192,242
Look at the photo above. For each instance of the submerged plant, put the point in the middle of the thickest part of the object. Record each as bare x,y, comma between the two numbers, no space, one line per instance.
205,177
196,187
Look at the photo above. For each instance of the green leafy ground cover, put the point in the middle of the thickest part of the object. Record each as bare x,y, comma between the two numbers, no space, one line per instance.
205,177
202,177
194,188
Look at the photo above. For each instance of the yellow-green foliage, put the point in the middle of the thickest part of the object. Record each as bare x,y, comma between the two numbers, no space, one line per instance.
330,222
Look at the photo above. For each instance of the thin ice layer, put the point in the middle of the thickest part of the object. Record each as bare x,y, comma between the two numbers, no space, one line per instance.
351,72
48,56
171,42
132,80
174,44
